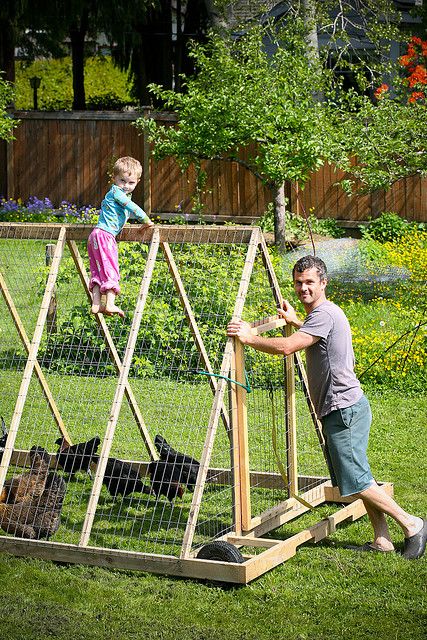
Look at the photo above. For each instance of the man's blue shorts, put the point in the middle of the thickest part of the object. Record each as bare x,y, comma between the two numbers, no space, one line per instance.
346,433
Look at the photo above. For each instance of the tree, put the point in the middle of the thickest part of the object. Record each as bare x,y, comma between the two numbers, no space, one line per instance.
387,136
240,95
11,25
7,124
152,44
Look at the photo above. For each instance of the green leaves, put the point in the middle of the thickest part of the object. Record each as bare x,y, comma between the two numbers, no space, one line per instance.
7,123
243,93
387,138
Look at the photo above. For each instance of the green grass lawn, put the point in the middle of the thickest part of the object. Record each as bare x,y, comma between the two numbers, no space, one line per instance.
325,591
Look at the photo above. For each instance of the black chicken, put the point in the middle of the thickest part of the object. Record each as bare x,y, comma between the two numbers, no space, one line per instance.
120,478
185,467
3,437
165,479
77,457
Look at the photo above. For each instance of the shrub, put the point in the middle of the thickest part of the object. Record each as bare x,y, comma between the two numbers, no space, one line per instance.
56,90
165,338
387,227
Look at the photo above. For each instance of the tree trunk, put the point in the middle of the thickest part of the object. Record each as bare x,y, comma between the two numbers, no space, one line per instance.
7,49
279,217
309,9
77,37
152,58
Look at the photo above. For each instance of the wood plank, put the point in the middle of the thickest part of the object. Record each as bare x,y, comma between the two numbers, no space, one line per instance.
120,390
39,373
234,477
132,561
215,475
131,233
332,494
242,435
251,541
219,397
133,404
32,358
267,324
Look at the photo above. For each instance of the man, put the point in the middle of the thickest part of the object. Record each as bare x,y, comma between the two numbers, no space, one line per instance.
339,401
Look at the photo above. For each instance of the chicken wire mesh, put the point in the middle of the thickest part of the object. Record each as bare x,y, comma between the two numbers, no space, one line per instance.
69,395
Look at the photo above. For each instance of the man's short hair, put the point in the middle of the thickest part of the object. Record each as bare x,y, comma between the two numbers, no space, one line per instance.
310,262
126,165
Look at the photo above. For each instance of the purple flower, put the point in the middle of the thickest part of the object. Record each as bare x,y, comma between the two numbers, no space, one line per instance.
36,205
9,205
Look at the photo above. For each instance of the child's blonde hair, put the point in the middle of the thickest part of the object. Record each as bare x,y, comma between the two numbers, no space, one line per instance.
127,165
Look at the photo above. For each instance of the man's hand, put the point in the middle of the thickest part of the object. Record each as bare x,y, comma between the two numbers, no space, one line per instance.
289,314
240,329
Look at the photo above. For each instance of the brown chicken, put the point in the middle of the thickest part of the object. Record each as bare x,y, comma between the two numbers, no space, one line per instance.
32,501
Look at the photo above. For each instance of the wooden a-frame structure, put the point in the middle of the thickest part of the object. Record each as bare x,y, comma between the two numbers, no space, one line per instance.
304,492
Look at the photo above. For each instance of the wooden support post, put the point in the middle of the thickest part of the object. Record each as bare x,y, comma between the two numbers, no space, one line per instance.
240,414
51,314
32,358
291,423
39,373
113,354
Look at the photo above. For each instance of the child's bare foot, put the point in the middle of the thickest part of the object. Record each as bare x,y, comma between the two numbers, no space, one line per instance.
113,310
95,308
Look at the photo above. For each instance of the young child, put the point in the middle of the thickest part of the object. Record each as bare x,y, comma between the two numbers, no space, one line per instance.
116,208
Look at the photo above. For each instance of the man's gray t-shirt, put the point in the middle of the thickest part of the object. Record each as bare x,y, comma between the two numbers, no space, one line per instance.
330,361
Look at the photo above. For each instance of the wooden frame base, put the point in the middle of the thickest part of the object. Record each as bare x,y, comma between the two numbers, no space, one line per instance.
276,551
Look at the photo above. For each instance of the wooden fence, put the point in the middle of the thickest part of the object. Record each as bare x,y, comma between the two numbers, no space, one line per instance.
66,156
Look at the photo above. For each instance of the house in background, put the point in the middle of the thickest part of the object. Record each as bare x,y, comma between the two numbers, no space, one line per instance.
245,11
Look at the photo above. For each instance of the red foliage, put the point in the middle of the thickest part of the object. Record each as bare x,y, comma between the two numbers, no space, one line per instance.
414,63
380,91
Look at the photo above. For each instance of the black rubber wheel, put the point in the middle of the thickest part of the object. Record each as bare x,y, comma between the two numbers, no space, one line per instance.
221,551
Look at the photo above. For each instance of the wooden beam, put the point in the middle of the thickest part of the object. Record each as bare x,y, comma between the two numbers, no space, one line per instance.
219,398
132,561
267,324
39,373
152,451
32,358
120,390
241,414
215,475
131,233
251,541
332,494
291,423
